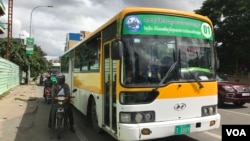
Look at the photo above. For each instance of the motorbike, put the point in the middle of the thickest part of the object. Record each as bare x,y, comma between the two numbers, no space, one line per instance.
47,95
61,116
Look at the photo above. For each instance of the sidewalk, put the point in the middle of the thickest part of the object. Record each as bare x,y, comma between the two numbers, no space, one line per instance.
20,101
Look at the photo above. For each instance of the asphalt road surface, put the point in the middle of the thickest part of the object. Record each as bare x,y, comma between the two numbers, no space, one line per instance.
40,131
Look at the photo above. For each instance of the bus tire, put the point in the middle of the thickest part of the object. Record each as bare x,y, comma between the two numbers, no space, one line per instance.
93,117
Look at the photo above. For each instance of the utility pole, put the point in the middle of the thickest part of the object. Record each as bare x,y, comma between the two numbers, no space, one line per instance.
31,36
10,13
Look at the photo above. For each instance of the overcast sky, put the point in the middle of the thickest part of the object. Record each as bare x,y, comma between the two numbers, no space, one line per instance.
50,25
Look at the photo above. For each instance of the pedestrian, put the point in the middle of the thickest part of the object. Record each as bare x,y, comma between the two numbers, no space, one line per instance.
41,79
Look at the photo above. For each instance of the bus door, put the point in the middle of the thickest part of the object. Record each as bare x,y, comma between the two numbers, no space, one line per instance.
71,70
109,88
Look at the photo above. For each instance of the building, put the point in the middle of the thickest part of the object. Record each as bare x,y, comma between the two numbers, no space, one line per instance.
84,34
73,38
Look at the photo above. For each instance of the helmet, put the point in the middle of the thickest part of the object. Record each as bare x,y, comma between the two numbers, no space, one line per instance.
60,78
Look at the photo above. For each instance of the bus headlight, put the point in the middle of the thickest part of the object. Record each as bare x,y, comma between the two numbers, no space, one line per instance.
208,110
125,117
148,116
137,117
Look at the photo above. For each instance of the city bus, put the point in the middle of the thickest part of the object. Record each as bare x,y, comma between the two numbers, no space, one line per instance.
54,70
146,73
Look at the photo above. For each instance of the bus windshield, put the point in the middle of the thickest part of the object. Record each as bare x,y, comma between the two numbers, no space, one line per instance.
147,59
163,48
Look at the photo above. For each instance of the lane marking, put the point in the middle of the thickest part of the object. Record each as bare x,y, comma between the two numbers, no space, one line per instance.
213,135
234,112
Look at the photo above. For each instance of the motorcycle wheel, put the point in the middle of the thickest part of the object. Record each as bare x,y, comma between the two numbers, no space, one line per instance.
58,134
46,100
59,128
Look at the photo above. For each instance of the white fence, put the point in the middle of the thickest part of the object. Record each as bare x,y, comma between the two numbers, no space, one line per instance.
9,75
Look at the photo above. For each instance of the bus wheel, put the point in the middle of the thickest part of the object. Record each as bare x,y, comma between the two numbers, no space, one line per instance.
94,119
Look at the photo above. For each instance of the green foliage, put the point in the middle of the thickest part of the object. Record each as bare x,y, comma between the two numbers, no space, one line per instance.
17,54
231,21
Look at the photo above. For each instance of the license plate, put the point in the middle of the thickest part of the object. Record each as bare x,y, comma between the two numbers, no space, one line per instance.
245,94
182,129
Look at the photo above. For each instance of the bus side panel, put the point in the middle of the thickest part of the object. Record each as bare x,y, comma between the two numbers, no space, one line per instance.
87,84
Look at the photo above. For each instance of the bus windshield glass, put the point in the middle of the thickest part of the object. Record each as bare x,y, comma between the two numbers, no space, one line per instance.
150,52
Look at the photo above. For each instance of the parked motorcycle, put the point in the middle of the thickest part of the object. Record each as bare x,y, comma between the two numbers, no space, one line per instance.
61,116
48,96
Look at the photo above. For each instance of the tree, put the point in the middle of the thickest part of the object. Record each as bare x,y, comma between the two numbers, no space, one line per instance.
231,22
17,54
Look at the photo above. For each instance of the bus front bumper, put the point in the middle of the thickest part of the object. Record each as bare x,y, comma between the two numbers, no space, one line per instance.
167,128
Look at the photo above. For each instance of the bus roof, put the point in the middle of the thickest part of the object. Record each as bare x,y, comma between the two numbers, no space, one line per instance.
128,10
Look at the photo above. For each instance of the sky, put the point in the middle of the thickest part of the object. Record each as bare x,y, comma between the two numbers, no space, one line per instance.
49,26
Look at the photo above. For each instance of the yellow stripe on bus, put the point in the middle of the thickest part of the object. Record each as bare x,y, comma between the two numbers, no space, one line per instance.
88,81
92,82
180,90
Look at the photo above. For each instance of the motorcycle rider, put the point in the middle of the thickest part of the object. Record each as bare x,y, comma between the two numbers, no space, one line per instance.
61,88
47,84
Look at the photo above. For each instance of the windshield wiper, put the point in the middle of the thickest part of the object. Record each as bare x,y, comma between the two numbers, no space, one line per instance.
171,69
196,79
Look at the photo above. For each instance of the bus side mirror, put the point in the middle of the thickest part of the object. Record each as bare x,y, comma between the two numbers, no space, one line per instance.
217,45
117,50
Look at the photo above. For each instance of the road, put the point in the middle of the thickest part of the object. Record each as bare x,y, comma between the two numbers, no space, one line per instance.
40,132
